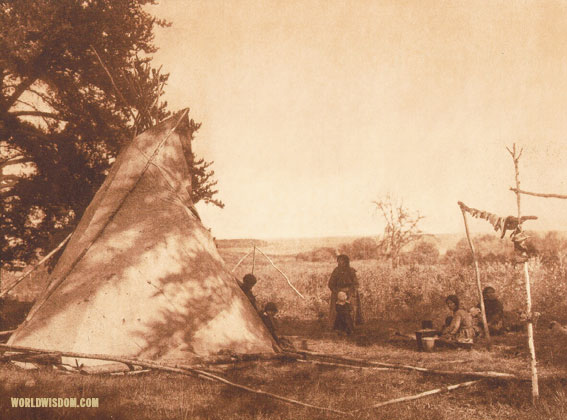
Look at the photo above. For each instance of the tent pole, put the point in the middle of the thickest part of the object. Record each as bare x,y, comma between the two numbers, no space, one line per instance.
533,362
478,284
239,262
282,273
44,259
253,258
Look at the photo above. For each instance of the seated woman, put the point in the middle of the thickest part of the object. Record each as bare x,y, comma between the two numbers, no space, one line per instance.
459,327
494,313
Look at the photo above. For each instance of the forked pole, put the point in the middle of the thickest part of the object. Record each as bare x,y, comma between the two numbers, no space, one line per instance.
533,362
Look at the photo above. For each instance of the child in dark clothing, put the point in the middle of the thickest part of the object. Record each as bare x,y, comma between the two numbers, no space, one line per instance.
268,316
343,320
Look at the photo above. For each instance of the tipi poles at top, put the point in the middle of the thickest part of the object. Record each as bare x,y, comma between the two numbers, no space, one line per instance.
273,265
477,273
240,261
282,273
535,386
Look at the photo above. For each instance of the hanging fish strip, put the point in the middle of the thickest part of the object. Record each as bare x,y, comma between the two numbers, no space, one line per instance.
504,224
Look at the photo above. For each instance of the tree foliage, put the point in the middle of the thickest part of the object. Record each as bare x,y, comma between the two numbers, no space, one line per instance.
401,227
76,83
424,253
360,249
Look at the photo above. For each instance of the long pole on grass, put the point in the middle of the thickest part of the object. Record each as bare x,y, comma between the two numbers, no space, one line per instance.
421,395
181,369
533,362
477,273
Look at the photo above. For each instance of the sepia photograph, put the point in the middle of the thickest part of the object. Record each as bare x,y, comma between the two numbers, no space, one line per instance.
287,210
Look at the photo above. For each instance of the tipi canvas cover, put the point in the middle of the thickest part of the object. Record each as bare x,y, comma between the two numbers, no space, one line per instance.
141,276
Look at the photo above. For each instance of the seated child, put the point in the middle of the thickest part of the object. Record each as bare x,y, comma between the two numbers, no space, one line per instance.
343,319
268,316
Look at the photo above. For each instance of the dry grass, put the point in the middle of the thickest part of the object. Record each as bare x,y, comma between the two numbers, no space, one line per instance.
168,396
395,299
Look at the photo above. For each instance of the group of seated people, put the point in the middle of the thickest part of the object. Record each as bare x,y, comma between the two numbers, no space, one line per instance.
464,326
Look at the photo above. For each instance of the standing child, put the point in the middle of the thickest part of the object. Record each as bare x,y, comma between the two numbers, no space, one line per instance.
343,319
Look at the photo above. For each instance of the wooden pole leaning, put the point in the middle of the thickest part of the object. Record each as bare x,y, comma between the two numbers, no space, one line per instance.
253,258
27,273
477,274
240,261
281,272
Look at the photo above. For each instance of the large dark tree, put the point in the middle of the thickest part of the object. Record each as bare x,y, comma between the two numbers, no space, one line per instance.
76,83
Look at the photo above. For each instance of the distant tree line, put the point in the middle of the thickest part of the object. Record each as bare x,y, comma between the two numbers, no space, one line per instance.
549,247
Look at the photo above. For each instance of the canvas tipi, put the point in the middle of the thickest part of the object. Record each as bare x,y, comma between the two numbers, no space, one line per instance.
141,276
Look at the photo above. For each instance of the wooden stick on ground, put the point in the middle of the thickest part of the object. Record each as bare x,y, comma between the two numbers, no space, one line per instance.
485,374
184,370
477,273
533,362
421,395
2,333
281,272
318,362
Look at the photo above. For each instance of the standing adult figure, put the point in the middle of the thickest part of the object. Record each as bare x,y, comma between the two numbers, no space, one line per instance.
343,279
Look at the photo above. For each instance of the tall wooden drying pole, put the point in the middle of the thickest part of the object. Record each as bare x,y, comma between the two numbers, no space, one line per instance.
535,387
254,258
477,272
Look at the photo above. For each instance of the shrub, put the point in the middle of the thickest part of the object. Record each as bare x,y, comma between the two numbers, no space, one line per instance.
360,249
423,253
319,254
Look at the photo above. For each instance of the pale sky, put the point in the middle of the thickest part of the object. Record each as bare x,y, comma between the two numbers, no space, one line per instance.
312,109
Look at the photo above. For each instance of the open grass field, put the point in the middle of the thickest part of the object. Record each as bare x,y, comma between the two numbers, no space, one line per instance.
169,396
393,301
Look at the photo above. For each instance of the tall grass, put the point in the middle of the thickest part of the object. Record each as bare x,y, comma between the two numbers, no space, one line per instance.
409,292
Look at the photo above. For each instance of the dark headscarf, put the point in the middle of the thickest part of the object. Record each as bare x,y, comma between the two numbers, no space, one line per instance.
345,258
454,299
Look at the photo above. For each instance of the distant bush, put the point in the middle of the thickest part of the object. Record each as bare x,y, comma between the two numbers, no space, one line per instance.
361,249
423,252
488,249
319,254
239,243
